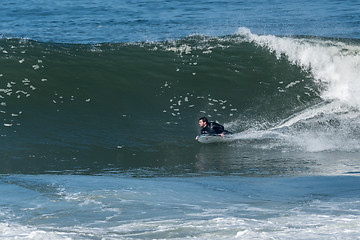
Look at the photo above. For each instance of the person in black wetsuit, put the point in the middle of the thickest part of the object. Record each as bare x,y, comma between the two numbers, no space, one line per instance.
211,128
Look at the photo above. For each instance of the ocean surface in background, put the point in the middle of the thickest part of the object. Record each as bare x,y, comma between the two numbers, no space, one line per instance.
99,104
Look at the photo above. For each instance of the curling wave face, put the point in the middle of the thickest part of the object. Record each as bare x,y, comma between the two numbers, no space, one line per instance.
78,102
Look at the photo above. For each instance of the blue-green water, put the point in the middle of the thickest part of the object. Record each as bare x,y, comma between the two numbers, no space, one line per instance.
97,21
99,102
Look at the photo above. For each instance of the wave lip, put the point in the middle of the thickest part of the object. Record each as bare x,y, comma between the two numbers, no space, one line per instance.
333,63
334,67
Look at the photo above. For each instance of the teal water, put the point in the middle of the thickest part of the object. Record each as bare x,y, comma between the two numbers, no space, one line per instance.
99,103
128,106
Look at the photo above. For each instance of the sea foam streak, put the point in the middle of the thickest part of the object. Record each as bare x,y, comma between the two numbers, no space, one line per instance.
111,207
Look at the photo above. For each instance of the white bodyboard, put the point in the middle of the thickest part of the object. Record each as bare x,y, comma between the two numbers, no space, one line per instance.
208,138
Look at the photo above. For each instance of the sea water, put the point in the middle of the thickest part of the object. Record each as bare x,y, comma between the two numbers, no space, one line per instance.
99,104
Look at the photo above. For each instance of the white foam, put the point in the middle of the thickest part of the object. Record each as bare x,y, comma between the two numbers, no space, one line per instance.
16,231
310,113
105,207
335,66
334,63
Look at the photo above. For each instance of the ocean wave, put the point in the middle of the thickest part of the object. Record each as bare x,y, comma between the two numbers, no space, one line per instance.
132,96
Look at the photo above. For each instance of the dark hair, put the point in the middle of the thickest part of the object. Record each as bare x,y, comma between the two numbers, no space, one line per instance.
204,119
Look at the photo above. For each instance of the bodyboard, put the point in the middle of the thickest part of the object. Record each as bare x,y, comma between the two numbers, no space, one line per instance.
212,138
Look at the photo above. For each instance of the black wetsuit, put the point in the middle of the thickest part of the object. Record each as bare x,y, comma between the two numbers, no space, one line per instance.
213,128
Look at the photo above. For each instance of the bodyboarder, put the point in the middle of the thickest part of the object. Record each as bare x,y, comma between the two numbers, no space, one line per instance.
211,128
